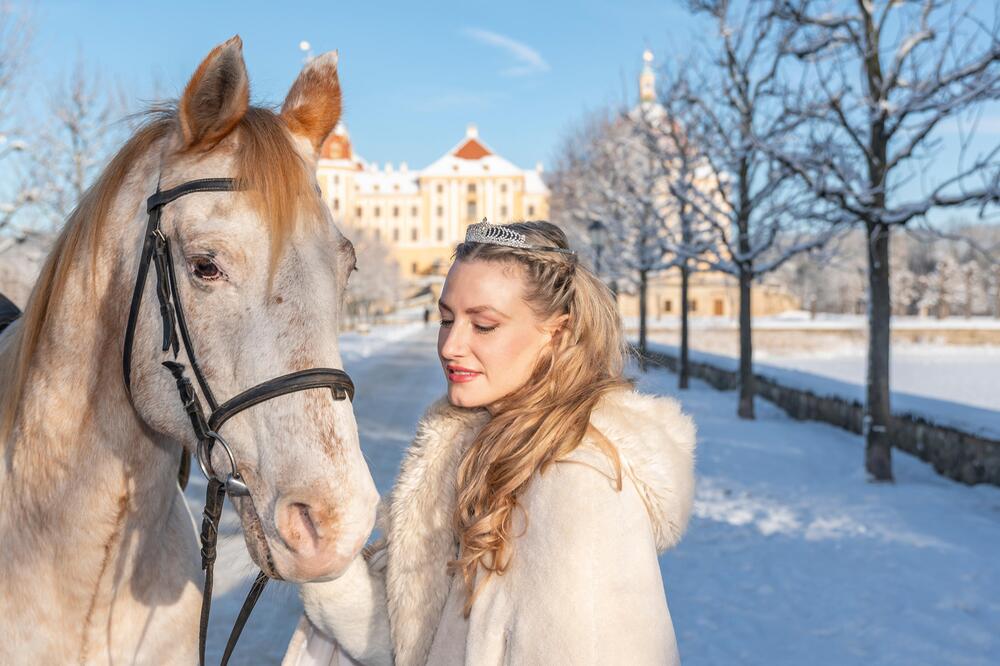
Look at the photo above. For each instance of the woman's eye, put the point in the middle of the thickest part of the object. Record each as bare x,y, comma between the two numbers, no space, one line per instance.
446,323
486,329
206,269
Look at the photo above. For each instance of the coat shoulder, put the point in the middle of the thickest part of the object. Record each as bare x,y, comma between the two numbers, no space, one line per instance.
655,441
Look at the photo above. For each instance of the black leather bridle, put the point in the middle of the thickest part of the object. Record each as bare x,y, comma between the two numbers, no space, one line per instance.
156,251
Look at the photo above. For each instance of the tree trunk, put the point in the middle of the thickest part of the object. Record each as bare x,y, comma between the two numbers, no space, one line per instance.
878,453
684,371
642,320
745,410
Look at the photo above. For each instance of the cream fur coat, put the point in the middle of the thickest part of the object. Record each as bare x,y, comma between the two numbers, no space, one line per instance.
583,588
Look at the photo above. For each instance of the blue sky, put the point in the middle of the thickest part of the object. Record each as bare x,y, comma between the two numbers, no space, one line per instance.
413,74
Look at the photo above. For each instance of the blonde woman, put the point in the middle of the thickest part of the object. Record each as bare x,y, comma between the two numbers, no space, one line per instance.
526,520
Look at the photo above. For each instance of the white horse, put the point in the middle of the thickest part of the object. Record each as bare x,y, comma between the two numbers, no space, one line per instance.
98,555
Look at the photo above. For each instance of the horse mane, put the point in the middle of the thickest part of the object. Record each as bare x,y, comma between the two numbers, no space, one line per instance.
268,168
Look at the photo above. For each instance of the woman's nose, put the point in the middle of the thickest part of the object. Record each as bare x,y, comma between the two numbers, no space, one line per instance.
455,342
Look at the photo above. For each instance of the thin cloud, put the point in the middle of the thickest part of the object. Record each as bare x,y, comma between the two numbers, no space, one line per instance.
529,61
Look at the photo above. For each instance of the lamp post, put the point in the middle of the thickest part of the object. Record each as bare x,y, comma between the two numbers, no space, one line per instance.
598,236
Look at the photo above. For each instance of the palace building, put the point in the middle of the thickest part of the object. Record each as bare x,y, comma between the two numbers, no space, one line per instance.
421,215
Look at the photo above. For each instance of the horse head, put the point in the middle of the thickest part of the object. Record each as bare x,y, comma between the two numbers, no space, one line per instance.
260,274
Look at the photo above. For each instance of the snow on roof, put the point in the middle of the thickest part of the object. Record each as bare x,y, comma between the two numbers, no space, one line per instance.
387,181
533,183
471,157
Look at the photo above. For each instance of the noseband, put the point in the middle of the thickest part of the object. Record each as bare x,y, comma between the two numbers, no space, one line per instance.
156,251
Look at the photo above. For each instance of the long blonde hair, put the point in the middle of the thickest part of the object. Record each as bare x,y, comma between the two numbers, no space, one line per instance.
548,417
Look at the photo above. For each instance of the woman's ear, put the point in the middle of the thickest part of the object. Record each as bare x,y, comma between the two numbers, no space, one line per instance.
557,325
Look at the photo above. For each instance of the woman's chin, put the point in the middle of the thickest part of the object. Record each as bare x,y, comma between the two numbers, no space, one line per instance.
461,396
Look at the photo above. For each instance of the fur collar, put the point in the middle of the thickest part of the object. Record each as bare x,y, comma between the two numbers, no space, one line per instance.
655,441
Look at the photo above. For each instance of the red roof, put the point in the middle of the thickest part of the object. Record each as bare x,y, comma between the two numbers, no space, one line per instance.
471,150
336,147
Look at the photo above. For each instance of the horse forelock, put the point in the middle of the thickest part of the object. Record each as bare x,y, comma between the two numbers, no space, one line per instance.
274,175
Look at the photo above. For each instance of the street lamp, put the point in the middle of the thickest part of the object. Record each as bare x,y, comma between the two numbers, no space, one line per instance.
598,236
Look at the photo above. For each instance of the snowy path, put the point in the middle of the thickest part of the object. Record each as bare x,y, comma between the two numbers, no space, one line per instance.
791,558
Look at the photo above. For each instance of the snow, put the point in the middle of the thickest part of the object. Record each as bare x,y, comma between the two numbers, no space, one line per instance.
797,320
947,385
791,556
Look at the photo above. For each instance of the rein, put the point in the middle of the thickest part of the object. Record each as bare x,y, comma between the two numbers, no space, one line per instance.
156,252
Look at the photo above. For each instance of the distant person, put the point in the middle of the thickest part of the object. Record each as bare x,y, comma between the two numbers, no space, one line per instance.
427,316
526,520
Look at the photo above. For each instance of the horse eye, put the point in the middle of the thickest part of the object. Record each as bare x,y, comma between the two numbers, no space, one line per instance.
205,269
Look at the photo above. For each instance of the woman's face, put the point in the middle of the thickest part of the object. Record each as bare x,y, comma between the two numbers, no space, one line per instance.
490,337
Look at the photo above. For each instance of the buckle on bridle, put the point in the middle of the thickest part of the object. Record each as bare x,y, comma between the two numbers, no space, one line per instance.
233,482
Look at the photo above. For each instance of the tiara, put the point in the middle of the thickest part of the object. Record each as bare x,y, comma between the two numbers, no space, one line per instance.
498,234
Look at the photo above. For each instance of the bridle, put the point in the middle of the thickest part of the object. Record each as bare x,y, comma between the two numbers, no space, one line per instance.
156,251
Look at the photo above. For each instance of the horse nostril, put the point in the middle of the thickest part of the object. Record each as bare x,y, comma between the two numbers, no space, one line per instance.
299,528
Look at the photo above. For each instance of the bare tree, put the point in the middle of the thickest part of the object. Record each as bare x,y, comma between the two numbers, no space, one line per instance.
606,174
878,81
76,140
15,38
375,286
710,138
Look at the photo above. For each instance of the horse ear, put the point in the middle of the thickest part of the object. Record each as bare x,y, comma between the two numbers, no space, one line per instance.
312,107
217,96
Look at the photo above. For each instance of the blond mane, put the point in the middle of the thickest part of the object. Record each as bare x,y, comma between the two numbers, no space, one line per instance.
268,167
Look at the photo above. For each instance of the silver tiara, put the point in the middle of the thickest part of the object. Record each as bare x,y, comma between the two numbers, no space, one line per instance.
498,234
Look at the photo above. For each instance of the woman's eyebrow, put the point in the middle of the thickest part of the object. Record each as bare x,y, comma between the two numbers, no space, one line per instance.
483,308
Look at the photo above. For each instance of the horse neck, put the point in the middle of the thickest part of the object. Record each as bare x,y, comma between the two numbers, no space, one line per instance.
77,444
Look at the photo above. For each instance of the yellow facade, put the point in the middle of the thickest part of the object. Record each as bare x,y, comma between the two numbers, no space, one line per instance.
422,215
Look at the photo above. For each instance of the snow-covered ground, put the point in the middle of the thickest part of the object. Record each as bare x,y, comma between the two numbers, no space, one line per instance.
948,385
963,374
791,557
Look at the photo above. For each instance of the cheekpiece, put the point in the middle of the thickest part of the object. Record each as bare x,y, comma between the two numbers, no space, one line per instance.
498,234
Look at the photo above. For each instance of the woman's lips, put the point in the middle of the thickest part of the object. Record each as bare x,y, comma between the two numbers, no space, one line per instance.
460,375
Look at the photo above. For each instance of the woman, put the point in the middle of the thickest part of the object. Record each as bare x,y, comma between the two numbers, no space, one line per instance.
528,513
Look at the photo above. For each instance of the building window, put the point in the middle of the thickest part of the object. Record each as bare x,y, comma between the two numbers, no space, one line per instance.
486,167
718,307
470,210
440,188
503,212
378,211
395,188
336,180
503,188
668,305
694,305
440,211
413,211
336,204
454,167
440,234
375,188
395,234
395,211
357,212
531,211
472,188
413,234
413,267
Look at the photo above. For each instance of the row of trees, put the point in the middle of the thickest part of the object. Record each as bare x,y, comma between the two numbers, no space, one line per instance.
801,120
931,274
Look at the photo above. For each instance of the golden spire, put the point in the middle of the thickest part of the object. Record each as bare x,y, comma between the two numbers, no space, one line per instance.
647,80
